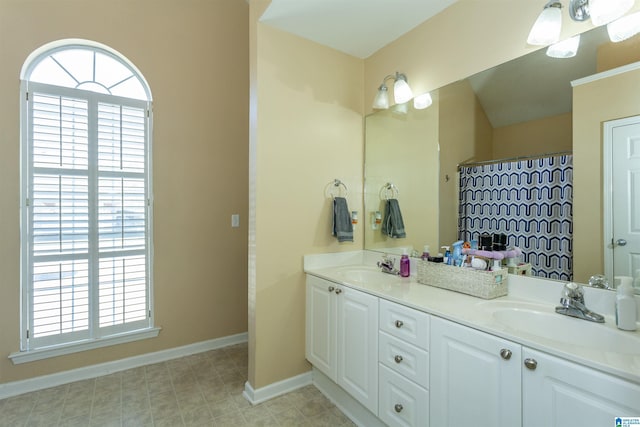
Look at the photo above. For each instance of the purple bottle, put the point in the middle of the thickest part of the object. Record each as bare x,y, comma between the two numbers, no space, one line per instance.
405,265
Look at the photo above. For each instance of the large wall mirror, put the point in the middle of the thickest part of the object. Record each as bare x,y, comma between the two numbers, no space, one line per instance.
522,108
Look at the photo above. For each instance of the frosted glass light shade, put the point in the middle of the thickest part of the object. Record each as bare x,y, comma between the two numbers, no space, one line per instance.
401,91
564,49
604,11
381,101
423,101
624,28
546,29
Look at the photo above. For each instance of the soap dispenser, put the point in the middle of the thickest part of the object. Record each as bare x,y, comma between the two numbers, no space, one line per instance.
405,264
626,315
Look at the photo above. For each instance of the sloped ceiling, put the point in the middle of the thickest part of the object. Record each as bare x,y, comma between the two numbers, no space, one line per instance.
356,27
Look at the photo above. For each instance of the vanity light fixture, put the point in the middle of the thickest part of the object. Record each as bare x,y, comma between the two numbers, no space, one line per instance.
565,49
604,11
401,91
546,29
624,28
423,101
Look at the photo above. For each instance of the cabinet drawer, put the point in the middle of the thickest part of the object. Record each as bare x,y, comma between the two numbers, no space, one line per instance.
402,402
404,359
405,323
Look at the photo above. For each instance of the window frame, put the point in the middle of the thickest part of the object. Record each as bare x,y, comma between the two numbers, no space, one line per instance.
92,338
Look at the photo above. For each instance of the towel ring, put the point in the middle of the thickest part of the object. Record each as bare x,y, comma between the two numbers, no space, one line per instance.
336,189
389,189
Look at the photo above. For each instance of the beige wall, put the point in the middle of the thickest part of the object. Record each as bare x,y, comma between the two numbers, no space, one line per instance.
465,135
306,132
403,149
193,53
593,104
547,135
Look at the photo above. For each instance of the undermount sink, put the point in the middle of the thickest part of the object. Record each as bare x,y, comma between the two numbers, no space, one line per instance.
365,274
543,322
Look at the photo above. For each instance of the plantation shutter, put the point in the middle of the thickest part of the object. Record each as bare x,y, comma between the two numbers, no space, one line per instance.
87,215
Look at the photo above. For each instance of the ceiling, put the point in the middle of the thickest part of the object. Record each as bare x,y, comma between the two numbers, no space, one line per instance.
527,88
356,27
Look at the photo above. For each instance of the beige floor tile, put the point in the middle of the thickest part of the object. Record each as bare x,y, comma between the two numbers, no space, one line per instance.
199,390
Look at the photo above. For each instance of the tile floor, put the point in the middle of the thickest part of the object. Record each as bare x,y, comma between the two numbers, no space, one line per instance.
199,390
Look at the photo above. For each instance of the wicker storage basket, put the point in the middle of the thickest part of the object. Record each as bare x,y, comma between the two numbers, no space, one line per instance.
478,283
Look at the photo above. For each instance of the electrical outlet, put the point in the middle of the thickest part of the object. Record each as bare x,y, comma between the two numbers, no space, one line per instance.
235,220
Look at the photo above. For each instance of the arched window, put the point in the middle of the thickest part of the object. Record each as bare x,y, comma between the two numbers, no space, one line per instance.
86,198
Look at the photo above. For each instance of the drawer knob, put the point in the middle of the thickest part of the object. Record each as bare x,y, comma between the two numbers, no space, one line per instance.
531,364
398,358
505,354
398,407
338,291
399,323
332,288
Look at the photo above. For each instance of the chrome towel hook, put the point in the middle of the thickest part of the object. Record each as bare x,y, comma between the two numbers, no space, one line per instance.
389,191
335,191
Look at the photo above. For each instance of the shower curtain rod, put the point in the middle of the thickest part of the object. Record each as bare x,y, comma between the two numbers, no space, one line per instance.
513,159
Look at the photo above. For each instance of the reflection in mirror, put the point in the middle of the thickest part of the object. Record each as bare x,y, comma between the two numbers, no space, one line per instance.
521,108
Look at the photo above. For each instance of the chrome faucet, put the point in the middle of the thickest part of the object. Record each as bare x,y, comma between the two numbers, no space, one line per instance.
572,304
387,265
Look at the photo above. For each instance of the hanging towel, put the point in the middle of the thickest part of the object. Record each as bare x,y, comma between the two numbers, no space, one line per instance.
392,224
342,227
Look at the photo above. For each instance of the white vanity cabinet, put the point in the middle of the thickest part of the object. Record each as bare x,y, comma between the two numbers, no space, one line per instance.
404,366
557,392
475,377
342,337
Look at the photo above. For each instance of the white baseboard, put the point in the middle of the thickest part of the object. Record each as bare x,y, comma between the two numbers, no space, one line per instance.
255,396
46,381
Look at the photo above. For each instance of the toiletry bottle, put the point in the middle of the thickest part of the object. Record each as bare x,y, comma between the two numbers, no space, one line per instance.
447,255
405,264
625,305
425,253
457,253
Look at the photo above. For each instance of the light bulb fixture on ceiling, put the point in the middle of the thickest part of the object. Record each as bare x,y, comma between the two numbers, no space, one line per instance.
401,91
604,11
624,28
565,49
546,29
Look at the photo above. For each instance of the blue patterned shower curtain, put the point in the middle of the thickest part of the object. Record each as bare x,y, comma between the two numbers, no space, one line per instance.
528,200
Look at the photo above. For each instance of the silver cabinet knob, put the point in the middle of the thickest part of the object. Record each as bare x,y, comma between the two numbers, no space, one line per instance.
531,364
505,354
338,291
398,407
398,358
399,323
332,288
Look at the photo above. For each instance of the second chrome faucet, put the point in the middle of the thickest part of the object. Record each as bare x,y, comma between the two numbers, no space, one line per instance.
572,304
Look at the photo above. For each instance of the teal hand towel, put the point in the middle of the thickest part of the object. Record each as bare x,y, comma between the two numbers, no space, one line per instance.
342,227
392,224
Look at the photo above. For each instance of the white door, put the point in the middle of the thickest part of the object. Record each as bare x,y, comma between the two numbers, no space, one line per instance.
622,197
475,378
321,339
556,392
358,344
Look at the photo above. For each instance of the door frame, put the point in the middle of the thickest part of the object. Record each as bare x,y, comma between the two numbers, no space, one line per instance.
607,197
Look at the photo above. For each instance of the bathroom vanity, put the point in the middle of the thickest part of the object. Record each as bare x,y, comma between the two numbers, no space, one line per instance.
391,351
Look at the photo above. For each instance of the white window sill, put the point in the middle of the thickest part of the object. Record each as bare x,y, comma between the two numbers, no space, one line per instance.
61,350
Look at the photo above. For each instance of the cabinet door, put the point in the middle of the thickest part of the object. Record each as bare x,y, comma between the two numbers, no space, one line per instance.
557,392
358,346
475,377
321,339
